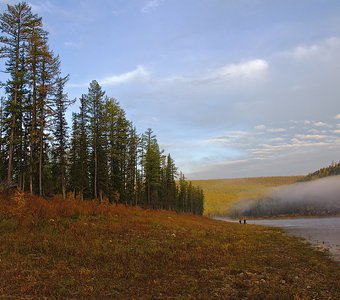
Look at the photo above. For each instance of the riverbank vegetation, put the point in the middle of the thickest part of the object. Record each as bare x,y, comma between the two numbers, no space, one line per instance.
87,249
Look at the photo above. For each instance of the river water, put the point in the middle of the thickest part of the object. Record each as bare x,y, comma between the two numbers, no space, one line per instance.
323,232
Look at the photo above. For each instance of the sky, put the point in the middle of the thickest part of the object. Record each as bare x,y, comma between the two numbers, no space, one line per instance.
232,88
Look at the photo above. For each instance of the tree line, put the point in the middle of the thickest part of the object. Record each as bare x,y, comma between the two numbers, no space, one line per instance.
101,157
331,170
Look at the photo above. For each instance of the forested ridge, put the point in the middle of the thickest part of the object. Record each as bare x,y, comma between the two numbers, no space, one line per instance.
331,170
100,157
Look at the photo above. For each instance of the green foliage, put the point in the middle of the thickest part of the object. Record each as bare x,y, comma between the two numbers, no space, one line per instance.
60,134
105,158
32,70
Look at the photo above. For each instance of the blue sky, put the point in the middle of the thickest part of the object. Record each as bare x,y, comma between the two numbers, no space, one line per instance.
232,88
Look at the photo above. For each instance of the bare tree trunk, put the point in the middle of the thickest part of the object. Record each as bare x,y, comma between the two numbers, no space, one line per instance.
63,189
11,140
95,174
41,163
11,147
41,144
34,124
31,172
23,182
11,143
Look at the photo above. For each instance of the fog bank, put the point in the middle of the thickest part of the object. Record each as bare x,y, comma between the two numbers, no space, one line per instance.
319,197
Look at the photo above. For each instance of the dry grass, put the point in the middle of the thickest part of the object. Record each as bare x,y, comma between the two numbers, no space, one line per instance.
81,250
221,194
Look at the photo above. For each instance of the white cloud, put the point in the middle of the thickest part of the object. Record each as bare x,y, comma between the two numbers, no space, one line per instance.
252,69
138,74
249,69
230,137
260,127
242,70
302,52
337,117
312,136
322,48
227,96
321,124
276,130
266,150
150,5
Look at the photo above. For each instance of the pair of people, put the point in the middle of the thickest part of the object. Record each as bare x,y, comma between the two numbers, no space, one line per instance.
244,221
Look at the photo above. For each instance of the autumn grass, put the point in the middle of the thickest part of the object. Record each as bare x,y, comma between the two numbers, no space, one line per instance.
221,194
88,250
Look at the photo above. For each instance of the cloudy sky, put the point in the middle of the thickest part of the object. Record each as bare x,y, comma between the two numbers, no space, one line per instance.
232,88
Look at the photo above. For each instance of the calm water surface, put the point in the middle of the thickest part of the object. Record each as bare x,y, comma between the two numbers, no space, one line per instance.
323,232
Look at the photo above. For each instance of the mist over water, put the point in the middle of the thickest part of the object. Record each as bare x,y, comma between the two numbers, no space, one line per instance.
319,197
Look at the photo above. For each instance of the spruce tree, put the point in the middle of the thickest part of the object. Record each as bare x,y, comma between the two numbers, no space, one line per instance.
170,175
60,135
152,169
36,45
131,173
79,153
74,171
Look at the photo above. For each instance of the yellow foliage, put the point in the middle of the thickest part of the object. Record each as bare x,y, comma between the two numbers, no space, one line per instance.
72,249
221,194
18,198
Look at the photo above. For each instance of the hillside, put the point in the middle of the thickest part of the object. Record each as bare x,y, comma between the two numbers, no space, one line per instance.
70,249
220,194
331,170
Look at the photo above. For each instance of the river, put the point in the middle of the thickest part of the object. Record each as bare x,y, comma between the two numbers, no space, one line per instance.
323,232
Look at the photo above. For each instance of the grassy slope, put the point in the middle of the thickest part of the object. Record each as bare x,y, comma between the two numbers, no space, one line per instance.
220,194
88,250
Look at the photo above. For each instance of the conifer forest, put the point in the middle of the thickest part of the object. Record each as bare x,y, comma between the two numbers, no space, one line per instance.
96,155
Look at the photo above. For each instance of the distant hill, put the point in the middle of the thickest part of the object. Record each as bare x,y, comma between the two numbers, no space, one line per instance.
332,170
221,194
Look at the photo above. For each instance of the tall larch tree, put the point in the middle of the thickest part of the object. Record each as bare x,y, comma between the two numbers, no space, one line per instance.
49,70
16,26
36,45
95,109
